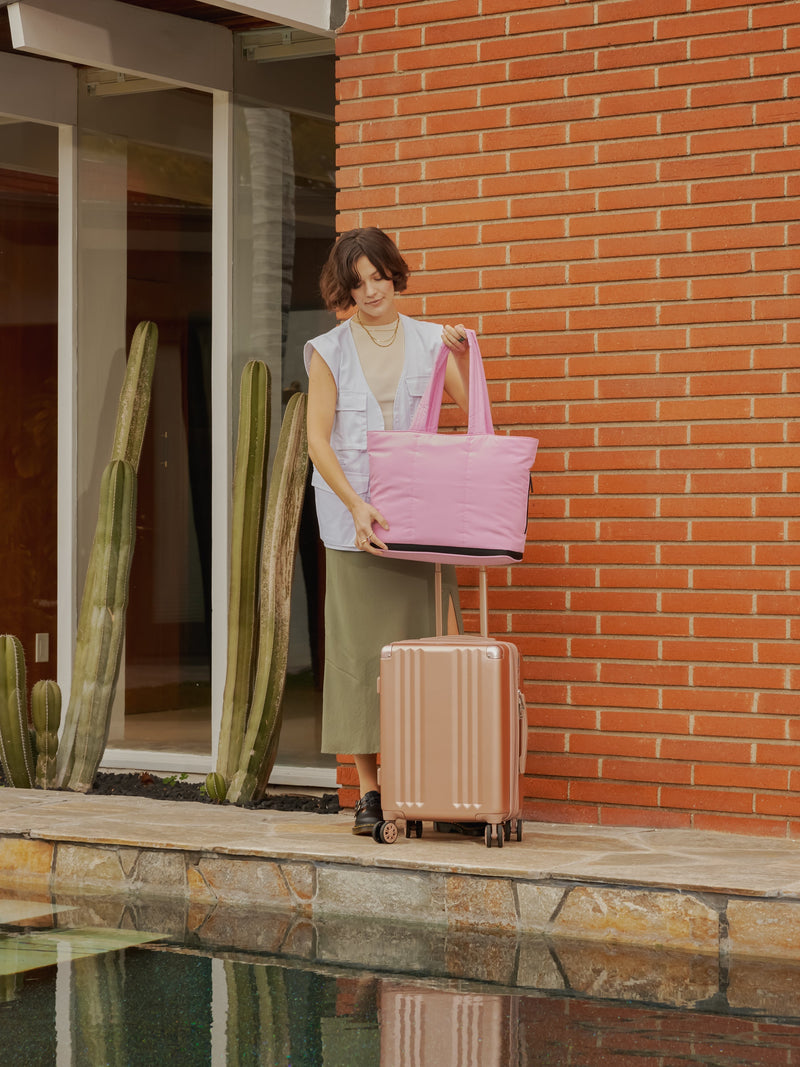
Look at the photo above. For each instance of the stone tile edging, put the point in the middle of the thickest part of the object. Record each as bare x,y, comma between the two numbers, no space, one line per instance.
706,924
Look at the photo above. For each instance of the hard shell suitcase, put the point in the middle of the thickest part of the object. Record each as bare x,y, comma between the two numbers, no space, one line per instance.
453,733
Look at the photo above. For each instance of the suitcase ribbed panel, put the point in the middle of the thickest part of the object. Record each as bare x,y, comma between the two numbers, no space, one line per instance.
409,723
465,735
449,730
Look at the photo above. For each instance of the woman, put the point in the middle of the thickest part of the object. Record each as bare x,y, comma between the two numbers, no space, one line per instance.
368,373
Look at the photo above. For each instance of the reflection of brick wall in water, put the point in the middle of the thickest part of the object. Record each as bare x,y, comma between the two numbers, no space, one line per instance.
607,193
593,1034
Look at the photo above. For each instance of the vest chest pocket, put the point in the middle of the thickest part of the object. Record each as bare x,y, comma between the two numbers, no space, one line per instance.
349,432
415,387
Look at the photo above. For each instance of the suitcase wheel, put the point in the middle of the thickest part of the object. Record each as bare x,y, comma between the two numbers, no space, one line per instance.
413,827
385,833
499,835
513,829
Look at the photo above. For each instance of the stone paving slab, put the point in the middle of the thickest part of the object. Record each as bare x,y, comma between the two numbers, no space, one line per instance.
713,894
679,859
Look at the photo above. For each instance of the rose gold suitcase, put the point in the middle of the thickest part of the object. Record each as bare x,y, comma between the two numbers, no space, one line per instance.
453,733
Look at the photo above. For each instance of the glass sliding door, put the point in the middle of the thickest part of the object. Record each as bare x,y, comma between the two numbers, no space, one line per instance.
29,391
168,702
145,190
145,176
284,226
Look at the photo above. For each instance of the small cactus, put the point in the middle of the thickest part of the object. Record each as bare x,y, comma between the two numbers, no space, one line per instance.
46,715
281,526
101,629
249,490
216,787
16,752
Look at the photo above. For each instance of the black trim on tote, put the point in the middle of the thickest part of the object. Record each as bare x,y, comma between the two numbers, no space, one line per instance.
452,550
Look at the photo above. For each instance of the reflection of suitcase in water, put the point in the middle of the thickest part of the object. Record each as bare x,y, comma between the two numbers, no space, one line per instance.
437,1028
453,732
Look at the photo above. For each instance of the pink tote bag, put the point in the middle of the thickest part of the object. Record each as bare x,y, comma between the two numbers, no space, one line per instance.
452,498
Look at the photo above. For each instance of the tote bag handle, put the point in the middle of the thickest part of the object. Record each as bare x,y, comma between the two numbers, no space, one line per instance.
426,418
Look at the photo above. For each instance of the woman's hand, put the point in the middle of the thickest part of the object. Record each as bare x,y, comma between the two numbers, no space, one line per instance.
455,337
456,379
364,515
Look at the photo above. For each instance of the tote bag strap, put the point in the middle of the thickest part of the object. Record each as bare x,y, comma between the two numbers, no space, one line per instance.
426,418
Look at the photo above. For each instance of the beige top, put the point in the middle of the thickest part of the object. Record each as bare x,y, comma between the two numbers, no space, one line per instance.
381,362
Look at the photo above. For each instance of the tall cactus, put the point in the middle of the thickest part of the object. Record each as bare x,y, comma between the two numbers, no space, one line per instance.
249,490
15,739
46,715
101,630
281,525
134,398
101,623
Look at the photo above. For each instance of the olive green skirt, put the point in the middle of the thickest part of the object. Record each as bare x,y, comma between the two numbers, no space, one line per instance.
370,602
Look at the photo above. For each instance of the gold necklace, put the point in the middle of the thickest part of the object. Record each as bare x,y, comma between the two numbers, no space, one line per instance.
373,338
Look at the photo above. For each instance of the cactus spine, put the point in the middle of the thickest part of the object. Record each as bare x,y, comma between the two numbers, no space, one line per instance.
46,715
281,525
249,490
15,739
100,630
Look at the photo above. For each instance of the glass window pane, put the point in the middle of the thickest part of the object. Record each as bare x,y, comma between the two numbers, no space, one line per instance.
284,226
145,253
29,392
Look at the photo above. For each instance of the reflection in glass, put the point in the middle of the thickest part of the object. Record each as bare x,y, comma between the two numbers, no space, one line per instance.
145,179
284,225
145,234
29,390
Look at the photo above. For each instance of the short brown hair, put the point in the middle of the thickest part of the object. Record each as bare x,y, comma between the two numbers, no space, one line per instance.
339,276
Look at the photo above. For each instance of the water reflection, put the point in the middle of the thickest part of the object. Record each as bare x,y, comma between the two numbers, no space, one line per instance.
124,997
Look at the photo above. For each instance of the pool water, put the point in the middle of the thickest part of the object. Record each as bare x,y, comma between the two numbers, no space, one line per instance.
75,995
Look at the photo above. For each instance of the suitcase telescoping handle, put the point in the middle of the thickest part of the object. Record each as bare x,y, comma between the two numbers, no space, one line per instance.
483,593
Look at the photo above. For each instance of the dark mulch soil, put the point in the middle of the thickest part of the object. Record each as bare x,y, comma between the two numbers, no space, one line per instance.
174,787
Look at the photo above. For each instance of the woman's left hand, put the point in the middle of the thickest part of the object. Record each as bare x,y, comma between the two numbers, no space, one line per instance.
455,337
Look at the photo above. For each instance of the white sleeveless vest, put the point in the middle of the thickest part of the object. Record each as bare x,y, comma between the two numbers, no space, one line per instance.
357,411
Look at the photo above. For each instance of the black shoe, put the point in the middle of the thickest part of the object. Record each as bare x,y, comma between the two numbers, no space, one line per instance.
368,813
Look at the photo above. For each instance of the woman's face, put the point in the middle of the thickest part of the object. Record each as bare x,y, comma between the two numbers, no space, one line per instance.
374,296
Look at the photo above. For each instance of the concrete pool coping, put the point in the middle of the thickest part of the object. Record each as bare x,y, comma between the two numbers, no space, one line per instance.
709,894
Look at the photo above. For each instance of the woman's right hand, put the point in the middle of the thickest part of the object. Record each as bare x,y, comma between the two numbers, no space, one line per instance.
366,540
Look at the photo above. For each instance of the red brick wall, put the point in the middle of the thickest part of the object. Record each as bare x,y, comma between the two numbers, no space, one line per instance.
608,193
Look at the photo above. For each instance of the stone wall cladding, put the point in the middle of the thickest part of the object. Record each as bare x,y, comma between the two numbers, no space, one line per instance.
211,886
607,192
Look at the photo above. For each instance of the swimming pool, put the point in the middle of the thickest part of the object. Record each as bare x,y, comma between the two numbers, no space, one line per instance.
74,991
